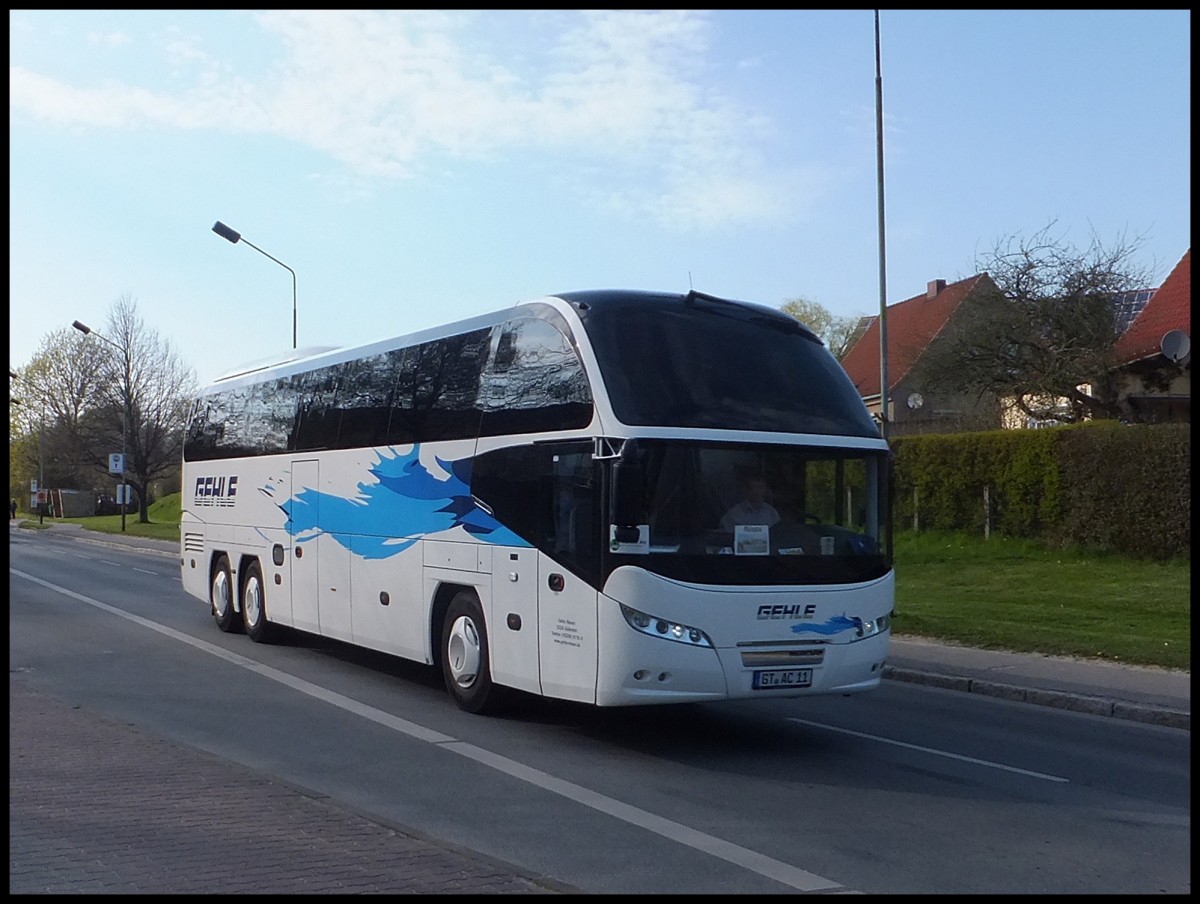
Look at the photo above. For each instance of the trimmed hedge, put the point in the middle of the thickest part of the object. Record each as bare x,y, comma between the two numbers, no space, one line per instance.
1099,485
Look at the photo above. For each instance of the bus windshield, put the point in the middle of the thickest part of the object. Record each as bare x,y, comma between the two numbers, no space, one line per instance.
751,513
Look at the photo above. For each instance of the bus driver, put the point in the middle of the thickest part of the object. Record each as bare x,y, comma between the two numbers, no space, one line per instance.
754,508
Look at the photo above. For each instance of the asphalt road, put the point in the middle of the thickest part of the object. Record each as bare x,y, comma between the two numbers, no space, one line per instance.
109,795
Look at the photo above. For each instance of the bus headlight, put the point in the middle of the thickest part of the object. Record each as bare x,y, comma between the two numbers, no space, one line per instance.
665,628
869,627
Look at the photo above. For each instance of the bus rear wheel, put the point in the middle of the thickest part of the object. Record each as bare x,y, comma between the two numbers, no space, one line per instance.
464,656
254,605
220,596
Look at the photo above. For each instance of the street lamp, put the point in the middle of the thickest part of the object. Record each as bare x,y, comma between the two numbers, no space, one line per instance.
233,236
123,492
41,456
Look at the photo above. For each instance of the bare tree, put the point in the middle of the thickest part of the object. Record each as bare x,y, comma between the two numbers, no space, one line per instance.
838,333
136,393
1041,338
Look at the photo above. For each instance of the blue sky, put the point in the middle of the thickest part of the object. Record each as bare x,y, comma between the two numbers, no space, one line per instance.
415,168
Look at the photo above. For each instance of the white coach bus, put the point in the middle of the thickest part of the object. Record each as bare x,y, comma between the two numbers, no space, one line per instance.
547,499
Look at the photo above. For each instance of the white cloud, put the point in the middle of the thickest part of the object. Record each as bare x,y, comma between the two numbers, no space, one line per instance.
388,93
109,39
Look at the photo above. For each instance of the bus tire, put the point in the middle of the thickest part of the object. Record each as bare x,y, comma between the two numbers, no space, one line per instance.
466,668
220,596
254,605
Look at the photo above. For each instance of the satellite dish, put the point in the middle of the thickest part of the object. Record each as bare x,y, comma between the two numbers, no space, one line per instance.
1175,345
915,400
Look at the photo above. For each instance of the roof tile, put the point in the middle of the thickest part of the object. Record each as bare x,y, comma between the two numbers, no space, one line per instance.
911,326
1169,308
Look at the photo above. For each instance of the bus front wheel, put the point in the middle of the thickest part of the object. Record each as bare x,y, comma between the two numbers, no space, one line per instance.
254,605
220,596
464,655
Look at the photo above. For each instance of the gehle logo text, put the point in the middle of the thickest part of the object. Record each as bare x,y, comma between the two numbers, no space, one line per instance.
216,491
794,610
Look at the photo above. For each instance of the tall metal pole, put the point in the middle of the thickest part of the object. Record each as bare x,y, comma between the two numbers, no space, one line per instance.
41,465
123,487
883,368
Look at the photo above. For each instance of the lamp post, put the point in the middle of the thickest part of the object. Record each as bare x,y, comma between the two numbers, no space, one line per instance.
123,491
233,236
884,414
41,455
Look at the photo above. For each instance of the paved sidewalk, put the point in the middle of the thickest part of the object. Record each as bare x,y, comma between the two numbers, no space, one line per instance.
1156,696
96,807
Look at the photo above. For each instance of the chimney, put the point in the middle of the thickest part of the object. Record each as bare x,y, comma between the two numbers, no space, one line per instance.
935,286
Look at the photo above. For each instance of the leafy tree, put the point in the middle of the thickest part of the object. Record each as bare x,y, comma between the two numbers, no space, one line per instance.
838,333
1040,334
48,405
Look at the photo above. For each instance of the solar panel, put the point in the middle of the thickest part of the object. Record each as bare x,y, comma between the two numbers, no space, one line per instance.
1127,305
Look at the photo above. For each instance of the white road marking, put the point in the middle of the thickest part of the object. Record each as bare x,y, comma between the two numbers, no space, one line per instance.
931,750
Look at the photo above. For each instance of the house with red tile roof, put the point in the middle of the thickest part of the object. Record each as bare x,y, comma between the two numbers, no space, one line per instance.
911,325
1153,359
1154,354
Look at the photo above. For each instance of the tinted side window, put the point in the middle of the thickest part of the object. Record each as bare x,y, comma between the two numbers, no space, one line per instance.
365,400
249,420
534,383
437,384
318,416
204,431
417,394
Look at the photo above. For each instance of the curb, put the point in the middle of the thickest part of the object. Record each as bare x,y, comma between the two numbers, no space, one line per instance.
1099,706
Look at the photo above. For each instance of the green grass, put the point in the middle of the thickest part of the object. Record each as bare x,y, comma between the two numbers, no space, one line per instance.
163,524
998,593
1018,595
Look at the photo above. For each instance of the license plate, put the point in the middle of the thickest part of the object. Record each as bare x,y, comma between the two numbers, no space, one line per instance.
764,680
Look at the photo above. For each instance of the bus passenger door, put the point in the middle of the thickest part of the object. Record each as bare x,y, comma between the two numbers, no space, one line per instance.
305,569
567,643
